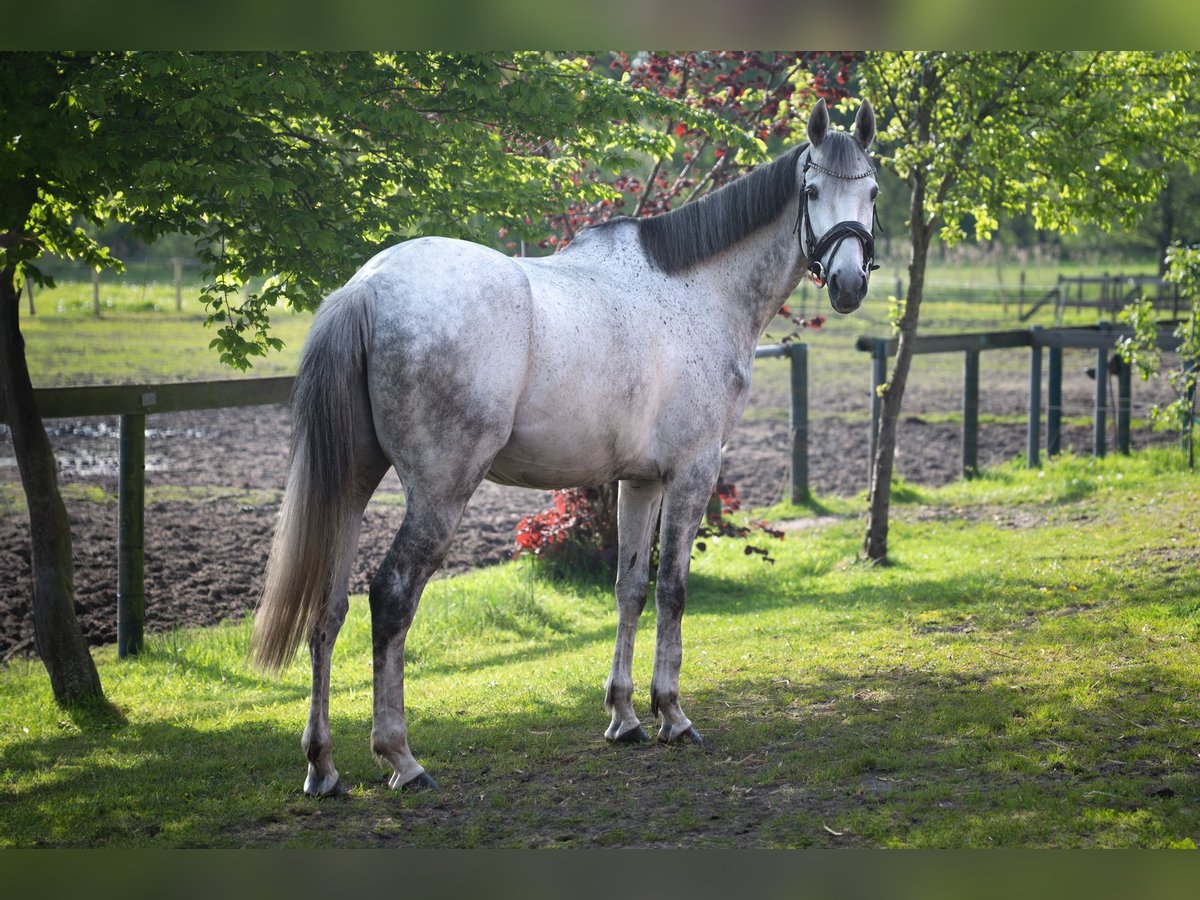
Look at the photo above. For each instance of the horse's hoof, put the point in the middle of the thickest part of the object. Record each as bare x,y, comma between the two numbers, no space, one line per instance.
422,782
632,736
691,736
336,790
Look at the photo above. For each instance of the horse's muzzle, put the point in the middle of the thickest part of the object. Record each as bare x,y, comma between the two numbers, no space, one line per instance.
846,293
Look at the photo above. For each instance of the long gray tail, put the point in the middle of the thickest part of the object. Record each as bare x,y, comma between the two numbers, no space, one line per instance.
329,406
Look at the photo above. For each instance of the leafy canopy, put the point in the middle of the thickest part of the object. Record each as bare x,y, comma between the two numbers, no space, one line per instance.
1066,136
300,166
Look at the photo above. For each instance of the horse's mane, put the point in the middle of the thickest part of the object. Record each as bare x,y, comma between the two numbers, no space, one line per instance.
692,233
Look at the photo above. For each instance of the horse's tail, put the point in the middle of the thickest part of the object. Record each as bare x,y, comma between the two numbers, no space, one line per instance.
331,413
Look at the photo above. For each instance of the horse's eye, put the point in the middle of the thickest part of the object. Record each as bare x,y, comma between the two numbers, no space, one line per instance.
811,192
874,193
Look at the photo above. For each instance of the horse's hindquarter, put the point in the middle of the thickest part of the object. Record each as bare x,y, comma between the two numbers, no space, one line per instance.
449,350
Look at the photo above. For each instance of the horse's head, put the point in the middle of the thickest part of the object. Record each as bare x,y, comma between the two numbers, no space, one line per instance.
837,206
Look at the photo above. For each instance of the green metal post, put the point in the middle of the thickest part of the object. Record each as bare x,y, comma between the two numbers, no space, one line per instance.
1124,391
1100,423
131,592
1034,435
798,424
970,425
1054,403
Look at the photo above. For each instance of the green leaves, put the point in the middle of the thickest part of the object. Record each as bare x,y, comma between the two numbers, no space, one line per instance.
1142,351
1065,136
297,167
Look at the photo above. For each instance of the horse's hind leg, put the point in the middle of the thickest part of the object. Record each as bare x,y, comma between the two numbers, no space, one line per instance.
637,515
417,552
686,497
322,777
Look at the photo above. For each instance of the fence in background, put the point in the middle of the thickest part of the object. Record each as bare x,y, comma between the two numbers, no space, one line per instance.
1102,338
1107,294
132,403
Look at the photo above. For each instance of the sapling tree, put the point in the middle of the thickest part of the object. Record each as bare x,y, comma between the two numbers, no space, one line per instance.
1142,351
1067,137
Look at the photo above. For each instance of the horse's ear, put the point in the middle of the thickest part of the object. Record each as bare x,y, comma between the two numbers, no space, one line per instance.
864,125
818,123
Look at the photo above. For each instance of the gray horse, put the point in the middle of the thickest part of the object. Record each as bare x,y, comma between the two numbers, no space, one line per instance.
626,357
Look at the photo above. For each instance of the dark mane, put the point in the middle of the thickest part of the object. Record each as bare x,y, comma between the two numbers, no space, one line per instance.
696,231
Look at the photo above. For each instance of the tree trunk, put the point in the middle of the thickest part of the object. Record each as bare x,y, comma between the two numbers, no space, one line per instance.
57,634
875,546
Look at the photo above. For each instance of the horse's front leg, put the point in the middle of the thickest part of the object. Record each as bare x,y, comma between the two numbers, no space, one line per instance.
637,514
686,499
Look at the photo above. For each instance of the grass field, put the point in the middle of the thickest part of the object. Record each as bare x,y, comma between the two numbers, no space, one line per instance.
1025,674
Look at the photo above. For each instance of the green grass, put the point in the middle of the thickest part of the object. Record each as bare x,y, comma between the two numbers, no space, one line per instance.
139,337
1025,673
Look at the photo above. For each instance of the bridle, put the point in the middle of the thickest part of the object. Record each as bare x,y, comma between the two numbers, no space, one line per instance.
814,250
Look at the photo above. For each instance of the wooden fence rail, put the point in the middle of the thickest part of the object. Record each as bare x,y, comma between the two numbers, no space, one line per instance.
1102,338
133,403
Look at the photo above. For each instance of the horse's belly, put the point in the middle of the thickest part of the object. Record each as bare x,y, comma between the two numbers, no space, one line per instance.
565,462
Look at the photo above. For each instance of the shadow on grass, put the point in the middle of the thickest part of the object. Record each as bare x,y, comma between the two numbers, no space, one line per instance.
907,756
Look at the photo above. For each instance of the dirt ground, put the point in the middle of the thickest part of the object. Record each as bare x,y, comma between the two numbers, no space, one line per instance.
214,480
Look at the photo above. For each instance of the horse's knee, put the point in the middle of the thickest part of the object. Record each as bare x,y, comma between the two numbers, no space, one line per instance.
670,596
631,596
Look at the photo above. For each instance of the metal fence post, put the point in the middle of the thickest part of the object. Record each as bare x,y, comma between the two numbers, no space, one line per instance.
970,423
878,377
798,425
131,590
1034,436
1124,390
1054,402
1100,424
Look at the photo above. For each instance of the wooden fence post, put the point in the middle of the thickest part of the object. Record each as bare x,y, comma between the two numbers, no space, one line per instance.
29,288
1033,438
131,589
178,263
970,423
96,293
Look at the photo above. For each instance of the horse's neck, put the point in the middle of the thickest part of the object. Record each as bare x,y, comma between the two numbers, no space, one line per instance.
755,276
